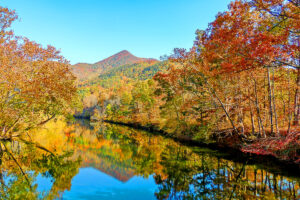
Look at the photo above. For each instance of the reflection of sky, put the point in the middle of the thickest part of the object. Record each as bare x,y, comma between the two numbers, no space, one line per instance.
44,184
93,184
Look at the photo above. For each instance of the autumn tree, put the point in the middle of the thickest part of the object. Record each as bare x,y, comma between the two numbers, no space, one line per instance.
240,40
35,82
284,17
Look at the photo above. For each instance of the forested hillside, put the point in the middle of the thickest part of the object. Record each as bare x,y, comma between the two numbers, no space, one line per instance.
112,77
137,71
85,71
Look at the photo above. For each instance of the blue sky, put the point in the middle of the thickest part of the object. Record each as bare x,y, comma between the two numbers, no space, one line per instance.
91,30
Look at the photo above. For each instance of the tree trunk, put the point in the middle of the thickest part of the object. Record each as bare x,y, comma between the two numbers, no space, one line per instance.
274,105
223,107
240,114
297,100
289,104
261,126
252,118
270,99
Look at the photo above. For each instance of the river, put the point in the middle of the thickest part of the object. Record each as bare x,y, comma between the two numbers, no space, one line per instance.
83,160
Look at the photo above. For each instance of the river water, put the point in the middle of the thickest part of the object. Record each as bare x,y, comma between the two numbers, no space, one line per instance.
81,160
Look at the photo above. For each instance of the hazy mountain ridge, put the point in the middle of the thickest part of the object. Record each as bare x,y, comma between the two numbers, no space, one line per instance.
85,71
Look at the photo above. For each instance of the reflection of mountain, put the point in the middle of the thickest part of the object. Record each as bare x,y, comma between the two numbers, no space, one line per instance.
101,153
107,162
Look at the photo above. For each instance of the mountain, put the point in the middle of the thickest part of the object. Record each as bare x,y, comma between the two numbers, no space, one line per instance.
85,71
136,71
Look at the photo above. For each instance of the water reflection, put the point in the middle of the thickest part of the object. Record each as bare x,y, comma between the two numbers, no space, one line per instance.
23,162
104,161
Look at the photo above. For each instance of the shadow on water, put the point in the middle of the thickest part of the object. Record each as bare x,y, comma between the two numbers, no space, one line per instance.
105,161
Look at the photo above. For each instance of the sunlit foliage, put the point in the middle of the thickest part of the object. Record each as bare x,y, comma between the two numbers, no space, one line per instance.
35,82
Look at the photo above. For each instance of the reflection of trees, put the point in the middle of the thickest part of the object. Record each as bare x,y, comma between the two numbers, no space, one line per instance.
191,176
181,173
22,162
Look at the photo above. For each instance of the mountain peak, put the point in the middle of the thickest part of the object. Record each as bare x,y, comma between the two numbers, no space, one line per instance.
124,52
124,57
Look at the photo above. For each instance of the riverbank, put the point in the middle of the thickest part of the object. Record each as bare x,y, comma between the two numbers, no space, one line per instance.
236,149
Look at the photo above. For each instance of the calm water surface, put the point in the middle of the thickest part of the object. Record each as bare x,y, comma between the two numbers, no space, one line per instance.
102,161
